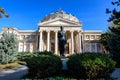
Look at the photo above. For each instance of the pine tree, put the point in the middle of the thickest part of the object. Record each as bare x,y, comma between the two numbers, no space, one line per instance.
114,39
8,48
2,12
104,38
115,19
115,15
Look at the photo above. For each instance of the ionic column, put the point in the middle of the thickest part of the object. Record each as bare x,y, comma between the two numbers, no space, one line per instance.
40,41
72,43
56,42
48,40
79,41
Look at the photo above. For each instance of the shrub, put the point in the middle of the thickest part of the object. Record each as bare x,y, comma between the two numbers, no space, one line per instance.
43,65
90,65
45,53
22,56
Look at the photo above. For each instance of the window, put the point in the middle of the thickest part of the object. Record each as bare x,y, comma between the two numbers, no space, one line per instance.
93,48
97,36
92,36
27,47
87,37
22,37
27,37
32,37
87,47
21,47
99,49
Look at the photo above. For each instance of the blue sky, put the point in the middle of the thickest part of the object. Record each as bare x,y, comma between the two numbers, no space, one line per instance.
25,14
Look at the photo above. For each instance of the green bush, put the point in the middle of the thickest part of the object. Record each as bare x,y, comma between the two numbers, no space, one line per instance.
22,56
90,65
43,65
45,53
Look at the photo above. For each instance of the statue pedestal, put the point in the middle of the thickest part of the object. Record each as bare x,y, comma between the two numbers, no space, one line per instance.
64,63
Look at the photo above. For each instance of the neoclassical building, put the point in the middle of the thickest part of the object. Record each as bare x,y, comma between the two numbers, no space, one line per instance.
45,38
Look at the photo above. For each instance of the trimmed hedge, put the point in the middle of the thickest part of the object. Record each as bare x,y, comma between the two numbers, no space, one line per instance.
43,65
90,65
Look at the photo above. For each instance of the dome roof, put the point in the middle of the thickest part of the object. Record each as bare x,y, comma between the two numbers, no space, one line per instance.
60,14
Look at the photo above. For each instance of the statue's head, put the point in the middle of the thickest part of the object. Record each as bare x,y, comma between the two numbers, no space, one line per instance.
61,27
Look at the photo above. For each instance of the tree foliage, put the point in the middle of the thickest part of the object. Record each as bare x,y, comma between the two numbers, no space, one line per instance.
104,41
114,28
115,15
114,39
114,46
2,12
8,48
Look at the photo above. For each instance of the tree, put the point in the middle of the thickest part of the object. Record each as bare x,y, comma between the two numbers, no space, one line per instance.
115,16
114,47
8,48
104,38
114,39
2,12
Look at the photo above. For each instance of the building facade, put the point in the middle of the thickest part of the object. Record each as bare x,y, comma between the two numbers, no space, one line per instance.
45,38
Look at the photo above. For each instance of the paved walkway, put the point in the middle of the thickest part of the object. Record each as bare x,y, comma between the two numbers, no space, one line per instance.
116,74
13,74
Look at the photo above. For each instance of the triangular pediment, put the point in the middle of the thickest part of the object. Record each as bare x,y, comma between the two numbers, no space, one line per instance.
59,22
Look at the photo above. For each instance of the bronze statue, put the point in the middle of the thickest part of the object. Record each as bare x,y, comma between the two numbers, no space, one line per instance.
62,41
